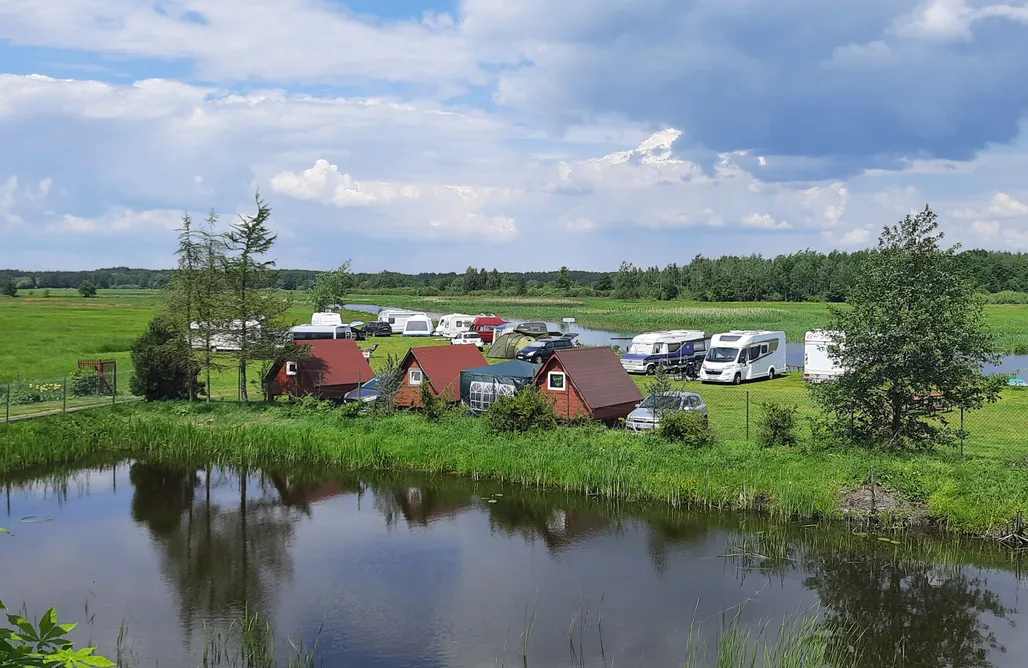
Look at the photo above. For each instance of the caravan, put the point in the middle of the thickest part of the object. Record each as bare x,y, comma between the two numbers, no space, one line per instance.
397,318
669,350
453,324
418,325
818,365
743,355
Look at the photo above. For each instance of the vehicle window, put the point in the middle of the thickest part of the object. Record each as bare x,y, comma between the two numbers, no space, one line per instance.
299,336
700,346
674,347
774,346
725,355
392,321
656,349
691,402
754,353
763,349
563,343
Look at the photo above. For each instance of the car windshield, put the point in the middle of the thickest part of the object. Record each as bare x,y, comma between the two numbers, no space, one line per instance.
722,354
662,401
641,349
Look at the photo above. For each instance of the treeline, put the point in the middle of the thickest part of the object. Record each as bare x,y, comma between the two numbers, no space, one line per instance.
802,276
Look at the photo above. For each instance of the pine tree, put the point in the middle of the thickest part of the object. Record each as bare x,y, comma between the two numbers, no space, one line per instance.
211,296
185,282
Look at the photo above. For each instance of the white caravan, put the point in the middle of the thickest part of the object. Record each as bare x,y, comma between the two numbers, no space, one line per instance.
453,324
670,350
327,319
818,366
222,336
743,355
397,318
418,325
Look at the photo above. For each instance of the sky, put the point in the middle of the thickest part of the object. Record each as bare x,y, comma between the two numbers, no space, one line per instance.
430,135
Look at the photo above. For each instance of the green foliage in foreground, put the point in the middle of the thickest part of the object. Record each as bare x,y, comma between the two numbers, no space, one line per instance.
970,494
526,411
690,429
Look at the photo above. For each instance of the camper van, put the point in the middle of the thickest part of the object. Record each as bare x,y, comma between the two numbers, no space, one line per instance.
669,350
817,365
319,332
397,318
418,325
453,324
485,326
736,356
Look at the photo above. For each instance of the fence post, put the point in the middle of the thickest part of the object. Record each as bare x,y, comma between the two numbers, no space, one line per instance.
747,415
114,389
962,434
65,408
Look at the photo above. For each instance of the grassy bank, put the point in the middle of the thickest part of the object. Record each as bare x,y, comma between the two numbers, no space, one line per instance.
973,494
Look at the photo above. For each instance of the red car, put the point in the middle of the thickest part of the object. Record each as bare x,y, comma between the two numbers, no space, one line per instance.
485,324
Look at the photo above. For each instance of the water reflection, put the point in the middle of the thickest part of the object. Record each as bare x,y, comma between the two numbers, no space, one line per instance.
419,571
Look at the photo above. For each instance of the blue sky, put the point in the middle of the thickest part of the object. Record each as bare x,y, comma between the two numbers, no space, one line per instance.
432,135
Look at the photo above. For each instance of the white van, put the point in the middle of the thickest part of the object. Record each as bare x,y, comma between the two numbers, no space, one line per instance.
418,325
743,355
453,324
669,350
818,366
397,318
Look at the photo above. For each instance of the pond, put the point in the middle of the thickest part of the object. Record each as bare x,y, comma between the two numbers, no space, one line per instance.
1009,364
429,572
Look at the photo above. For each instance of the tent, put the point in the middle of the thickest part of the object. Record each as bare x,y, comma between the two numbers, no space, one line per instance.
481,386
508,345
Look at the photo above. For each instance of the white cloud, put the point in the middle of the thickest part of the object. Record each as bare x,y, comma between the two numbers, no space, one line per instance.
119,222
986,228
856,236
1005,206
7,194
764,221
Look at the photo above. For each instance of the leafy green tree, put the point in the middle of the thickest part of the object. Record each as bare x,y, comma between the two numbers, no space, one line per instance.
87,289
660,388
162,362
8,287
330,287
185,283
626,282
254,306
563,278
390,378
913,342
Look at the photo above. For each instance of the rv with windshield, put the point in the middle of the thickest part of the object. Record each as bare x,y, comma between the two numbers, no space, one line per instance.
418,325
453,324
818,365
670,350
397,318
737,356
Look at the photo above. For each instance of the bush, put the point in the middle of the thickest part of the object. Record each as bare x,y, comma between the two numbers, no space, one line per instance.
432,406
46,293
526,411
777,426
87,289
352,409
84,382
691,429
8,287
308,405
163,363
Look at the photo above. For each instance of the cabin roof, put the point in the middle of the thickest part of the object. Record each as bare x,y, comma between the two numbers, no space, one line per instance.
598,376
442,364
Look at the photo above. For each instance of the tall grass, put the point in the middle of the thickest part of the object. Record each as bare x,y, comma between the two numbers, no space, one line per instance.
971,494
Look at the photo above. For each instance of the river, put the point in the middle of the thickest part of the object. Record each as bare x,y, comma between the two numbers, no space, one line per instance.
431,572
1009,364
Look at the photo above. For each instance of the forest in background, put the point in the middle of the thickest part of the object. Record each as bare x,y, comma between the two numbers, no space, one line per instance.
802,276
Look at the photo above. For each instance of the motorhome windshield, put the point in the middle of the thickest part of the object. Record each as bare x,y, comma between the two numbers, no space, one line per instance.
644,348
722,354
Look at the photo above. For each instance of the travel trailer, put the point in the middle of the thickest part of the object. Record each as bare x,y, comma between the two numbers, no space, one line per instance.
670,350
818,366
453,324
397,318
418,325
737,356
223,337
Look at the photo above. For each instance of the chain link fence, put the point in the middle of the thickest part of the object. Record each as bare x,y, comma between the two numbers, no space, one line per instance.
22,399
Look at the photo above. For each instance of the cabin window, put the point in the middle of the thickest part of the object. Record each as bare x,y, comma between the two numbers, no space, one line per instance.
754,353
763,349
699,346
773,345
674,347
415,377
555,381
290,368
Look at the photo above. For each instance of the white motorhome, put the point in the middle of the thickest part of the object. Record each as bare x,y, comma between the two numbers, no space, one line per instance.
327,319
417,325
818,366
740,355
397,318
453,324
317,332
222,336
671,349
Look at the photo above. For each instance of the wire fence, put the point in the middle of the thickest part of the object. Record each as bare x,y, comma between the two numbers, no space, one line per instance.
22,399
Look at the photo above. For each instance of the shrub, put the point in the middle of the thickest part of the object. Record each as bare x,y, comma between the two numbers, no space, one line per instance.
352,409
691,429
46,293
432,406
525,411
777,426
84,382
8,287
87,289
308,405
163,363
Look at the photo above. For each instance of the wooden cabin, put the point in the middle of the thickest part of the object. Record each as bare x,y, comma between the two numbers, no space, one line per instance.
334,367
588,383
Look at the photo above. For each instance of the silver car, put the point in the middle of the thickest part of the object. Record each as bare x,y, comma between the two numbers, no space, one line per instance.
646,415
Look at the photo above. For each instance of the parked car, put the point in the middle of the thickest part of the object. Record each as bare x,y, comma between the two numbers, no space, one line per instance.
485,326
468,339
543,349
646,415
367,392
378,328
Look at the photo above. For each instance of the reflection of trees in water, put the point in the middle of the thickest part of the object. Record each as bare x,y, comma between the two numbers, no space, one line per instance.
217,557
537,517
419,506
907,614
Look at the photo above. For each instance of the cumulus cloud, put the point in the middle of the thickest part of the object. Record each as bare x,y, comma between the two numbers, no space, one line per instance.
856,236
1005,206
7,193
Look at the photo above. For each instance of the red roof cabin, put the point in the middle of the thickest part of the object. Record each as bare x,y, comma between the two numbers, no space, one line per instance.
588,383
335,367
440,366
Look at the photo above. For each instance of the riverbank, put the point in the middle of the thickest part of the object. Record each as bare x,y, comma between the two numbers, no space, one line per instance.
964,494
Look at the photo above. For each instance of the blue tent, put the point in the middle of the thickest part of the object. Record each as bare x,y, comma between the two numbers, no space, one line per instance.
481,386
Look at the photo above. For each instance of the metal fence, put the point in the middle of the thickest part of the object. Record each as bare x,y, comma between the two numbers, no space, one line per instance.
22,399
